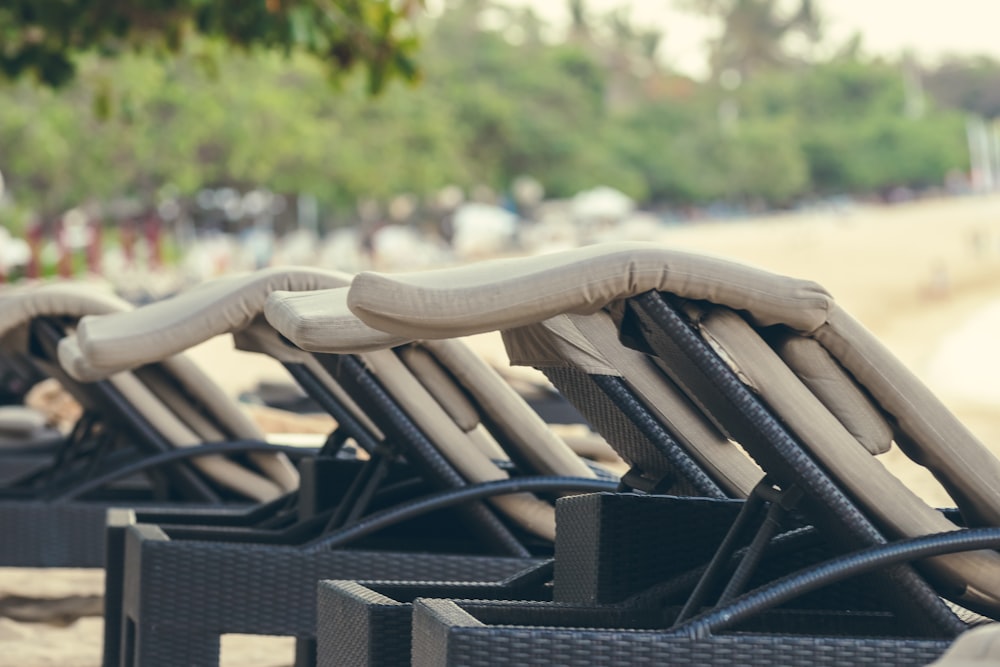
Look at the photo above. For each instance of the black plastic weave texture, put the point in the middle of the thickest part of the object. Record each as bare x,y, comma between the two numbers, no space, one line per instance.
495,647
179,598
41,534
619,429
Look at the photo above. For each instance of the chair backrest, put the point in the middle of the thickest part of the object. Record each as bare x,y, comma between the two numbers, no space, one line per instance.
575,349
232,305
506,294
473,416
182,404
810,410
446,391
133,337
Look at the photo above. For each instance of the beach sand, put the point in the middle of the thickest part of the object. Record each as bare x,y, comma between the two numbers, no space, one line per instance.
923,277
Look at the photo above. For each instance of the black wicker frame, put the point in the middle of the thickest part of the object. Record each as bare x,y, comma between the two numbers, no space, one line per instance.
55,510
654,324
819,613
615,602
136,612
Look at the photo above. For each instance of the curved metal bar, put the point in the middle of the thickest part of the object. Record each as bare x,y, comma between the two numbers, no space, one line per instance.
181,454
388,517
834,570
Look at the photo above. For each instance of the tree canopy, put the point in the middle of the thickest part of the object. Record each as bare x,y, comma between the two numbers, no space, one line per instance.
44,38
498,99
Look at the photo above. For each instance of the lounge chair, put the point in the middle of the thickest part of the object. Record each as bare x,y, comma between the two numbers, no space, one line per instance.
175,589
765,358
163,413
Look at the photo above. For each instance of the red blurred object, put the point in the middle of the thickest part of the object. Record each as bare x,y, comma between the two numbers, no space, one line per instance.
154,242
33,235
95,247
127,237
65,266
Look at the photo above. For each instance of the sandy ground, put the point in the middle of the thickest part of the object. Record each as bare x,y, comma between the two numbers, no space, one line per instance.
924,277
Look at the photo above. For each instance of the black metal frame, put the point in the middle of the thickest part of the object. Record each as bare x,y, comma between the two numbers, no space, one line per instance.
816,612
657,325
56,509
728,610
318,545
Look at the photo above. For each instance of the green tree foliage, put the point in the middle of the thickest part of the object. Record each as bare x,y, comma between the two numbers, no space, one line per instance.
852,129
495,102
43,38
525,108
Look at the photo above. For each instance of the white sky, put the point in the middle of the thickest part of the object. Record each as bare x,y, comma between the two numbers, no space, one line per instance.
931,28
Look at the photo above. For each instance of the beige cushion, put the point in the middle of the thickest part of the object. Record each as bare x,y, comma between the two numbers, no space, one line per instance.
230,417
837,390
441,386
956,457
175,431
62,299
19,306
520,425
978,647
261,338
163,328
72,361
507,293
450,396
472,463
320,321
590,342
890,501
75,300
512,293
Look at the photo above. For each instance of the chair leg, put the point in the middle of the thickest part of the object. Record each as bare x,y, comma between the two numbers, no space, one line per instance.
114,572
711,580
146,639
305,653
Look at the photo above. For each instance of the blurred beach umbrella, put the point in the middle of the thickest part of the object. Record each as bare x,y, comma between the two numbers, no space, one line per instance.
602,203
481,230
399,246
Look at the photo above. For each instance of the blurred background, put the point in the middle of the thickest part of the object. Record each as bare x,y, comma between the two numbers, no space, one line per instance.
174,147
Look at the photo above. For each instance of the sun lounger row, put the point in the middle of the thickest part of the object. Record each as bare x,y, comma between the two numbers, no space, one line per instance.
749,408
433,434
781,370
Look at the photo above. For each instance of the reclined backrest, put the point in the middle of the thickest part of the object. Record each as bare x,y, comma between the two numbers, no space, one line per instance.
571,349
507,294
895,507
182,404
469,412
427,382
261,338
159,332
